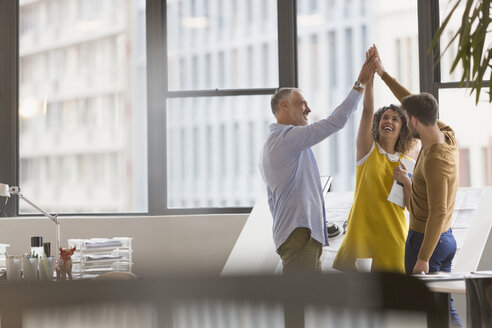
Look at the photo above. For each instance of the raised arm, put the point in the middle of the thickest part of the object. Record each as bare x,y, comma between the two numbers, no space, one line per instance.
303,137
364,136
300,138
396,88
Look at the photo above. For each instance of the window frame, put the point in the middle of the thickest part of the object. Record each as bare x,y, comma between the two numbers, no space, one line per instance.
9,122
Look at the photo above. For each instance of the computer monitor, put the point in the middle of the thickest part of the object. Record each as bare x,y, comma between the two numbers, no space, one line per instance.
473,248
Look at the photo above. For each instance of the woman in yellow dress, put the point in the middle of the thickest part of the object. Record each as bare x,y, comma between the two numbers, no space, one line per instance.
376,227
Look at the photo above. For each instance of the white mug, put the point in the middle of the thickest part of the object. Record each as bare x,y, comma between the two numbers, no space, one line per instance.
363,264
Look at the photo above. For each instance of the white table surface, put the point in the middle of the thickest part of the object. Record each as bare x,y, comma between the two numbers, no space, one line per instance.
451,286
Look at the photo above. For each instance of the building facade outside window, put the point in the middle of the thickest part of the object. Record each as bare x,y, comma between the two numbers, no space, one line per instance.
83,97
82,106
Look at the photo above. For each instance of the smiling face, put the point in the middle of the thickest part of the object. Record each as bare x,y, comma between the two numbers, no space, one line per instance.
390,124
390,127
297,109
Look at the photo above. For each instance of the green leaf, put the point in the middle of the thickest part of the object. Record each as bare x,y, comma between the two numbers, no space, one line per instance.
470,38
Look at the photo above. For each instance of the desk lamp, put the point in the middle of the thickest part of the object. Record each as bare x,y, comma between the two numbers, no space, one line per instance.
5,191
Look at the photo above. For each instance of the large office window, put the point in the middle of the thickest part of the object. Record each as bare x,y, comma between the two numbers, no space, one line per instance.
213,45
217,52
332,39
82,105
95,137
471,123
213,148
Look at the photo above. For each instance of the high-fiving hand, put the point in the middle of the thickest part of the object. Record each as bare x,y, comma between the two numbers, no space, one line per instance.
377,60
369,67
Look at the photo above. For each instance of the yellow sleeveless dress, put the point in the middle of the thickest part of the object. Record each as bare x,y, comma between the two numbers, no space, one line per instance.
376,227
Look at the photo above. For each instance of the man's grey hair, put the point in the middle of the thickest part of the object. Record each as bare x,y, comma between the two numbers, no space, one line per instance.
278,96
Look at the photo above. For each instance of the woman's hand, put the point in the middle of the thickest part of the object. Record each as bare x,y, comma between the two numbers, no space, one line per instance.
400,174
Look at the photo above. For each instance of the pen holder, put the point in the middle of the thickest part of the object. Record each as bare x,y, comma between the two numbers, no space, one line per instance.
46,268
30,268
14,268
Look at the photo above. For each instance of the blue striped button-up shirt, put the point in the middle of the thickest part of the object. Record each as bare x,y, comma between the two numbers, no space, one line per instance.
291,174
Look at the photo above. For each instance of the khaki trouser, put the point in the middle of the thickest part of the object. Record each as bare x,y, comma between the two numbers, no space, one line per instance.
300,253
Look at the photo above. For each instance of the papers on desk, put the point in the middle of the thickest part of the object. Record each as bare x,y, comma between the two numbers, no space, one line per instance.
103,243
94,257
396,194
446,276
440,276
481,274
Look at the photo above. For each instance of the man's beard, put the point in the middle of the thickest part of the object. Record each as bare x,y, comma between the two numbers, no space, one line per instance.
415,134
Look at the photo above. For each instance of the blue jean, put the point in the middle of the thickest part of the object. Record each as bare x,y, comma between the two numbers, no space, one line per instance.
441,259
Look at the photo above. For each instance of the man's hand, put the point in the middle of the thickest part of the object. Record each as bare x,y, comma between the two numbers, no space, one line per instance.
369,67
379,63
421,266
369,53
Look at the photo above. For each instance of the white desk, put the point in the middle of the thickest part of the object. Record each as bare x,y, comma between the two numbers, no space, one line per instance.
442,291
446,287
255,253
454,286
451,287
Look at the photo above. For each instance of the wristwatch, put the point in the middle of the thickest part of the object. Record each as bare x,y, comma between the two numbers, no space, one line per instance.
358,84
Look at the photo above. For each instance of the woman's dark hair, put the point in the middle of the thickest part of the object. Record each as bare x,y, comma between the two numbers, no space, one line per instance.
405,142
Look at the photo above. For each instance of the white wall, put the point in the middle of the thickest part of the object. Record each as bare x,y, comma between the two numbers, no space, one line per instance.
164,244
161,244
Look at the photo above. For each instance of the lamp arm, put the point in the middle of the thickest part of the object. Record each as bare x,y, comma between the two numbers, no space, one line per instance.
16,191
53,218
